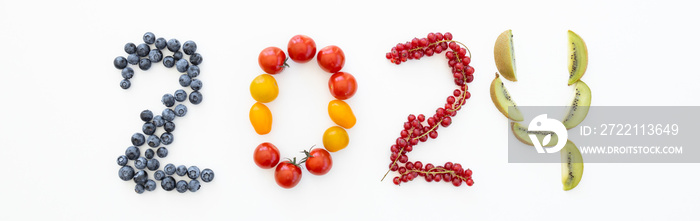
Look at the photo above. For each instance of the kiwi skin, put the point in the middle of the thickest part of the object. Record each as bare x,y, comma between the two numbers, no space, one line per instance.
504,55
578,57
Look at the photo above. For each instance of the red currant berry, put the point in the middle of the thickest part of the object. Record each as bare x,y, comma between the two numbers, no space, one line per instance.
418,165
400,47
454,46
468,173
456,92
397,180
429,177
402,170
429,167
431,37
448,36
446,121
409,166
408,148
393,167
451,100
401,142
421,117
447,177
411,117
466,61
404,178
437,178
469,182
388,55
394,156
470,78
469,70
423,42
394,148
403,158
450,55
455,182
433,134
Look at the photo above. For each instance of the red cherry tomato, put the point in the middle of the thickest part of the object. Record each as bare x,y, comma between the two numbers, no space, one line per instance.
319,161
331,59
272,60
301,48
287,174
266,155
342,85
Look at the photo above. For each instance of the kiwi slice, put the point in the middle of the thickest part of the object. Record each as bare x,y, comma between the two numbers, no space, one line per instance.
504,55
578,57
522,134
571,165
501,98
579,106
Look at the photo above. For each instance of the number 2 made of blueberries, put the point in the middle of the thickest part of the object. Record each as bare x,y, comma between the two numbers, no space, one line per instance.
147,160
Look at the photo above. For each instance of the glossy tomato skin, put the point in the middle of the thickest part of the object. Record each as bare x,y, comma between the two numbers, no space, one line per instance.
331,58
342,85
287,175
319,161
301,48
266,155
272,60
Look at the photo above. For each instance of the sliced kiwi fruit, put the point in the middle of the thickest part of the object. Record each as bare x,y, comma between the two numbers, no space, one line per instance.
501,98
522,134
578,57
504,55
571,165
579,106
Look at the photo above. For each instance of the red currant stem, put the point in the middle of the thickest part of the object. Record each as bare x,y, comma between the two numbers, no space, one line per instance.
393,163
438,42
430,172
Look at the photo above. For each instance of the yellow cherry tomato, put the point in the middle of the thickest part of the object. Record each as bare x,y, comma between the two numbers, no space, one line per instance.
341,113
264,88
335,138
260,118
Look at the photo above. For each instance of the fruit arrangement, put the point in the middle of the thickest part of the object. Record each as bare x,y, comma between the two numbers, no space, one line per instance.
504,56
264,89
144,56
421,128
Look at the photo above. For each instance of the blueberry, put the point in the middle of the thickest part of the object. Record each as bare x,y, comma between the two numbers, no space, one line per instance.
194,185
149,38
185,80
166,138
189,47
182,65
161,43
142,50
168,100
140,163
169,61
128,72
155,55
140,177
168,115
120,62
162,152
196,97
193,71
196,84
149,154
150,185
132,153
133,59
159,175
180,110
169,169
144,64
153,141
130,48
138,139
181,170
158,121
168,183
146,115
125,84
180,95
139,188
149,128
122,160
126,173
196,59
169,126
207,175
177,55
181,186
153,164
173,45
193,172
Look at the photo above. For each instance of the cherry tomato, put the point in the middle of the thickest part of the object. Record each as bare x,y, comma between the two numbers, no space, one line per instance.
341,113
266,155
272,60
287,174
335,138
318,161
331,59
301,48
261,118
342,85
264,88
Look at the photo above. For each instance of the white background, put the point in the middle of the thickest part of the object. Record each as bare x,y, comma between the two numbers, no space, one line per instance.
64,119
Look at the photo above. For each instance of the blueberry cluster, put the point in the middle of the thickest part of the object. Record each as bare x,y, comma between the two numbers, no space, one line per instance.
144,56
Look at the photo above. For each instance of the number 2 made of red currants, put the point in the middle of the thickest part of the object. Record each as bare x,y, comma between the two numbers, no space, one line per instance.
419,128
